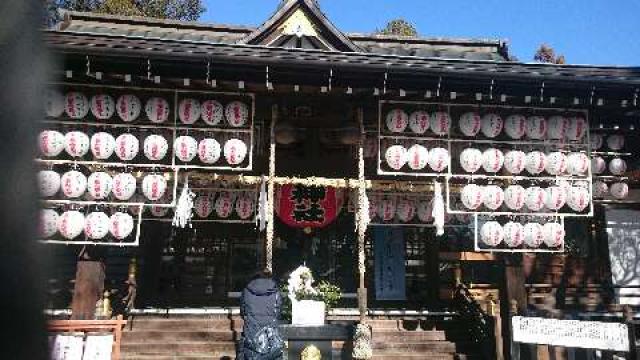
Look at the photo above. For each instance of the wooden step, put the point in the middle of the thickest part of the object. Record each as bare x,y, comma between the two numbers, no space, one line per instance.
437,347
181,347
155,336
409,336
183,324
194,356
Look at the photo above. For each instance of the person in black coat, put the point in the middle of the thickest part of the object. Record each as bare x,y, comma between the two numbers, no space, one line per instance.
260,309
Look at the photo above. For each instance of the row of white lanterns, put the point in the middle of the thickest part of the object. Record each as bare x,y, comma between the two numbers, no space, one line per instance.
388,208
515,234
96,225
491,125
516,197
515,162
128,107
126,147
224,204
99,185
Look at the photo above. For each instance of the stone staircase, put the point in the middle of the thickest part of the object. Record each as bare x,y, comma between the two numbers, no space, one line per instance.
198,337
192,337
433,340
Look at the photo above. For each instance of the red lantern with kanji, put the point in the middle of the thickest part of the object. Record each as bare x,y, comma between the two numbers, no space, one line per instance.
308,207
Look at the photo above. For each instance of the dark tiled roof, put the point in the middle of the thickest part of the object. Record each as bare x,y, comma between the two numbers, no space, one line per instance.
104,44
89,23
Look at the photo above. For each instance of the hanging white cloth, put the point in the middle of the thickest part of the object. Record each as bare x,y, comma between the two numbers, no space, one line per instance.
261,216
438,208
183,211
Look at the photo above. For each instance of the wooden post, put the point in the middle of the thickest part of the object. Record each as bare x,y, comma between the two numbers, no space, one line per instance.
628,317
361,224
494,312
89,284
514,296
271,191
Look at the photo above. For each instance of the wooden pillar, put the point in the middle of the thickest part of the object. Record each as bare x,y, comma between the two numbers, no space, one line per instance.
89,283
515,299
361,223
271,191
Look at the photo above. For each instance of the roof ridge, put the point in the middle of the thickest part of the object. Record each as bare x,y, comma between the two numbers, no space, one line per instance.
417,39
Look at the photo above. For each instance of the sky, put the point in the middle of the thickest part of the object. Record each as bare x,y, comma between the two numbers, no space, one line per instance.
599,32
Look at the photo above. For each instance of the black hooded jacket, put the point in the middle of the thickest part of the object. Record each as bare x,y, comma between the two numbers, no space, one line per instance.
261,301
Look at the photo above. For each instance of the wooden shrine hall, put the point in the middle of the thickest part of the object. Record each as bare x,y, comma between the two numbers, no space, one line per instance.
442,186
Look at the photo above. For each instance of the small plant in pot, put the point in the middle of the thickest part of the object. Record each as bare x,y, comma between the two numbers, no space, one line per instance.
306,304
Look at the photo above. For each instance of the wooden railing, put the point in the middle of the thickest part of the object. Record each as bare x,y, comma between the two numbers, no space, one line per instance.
115,326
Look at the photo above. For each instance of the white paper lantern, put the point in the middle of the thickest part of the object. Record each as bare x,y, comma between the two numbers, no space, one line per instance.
617,166
578,198
387,209
558,127
244,207
73,184
493,197
598,165
236,113
53,103
186,148
76,105
48,182
102,106
419,122
406,210
189,111
425,211
155,147
556,163
615,142
102,145
535,162
470,124
397,120
212,112
471,159
597,140
121,225
124,186
492,160
514,161
438,159
96,225
553,234
99,185
417,157
472,196
513,234
127,147
224,205
535,198
235,151
128,107
533,235
491,233
157,110
76,143
159,211
203,205
374,204
492,125
600,189
515,126
48,225
514,197
577,128
556,197
154,186
396,156
71,224
209,150
536,128
619,190
51,143
440,123
577,163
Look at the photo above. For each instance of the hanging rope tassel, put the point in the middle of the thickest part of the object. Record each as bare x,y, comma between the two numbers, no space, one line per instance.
183,211
438,209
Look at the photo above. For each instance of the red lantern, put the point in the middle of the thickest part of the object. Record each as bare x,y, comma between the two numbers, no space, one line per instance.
308,207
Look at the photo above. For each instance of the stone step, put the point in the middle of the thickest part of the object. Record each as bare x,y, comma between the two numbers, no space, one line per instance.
440,347
154,336
181,347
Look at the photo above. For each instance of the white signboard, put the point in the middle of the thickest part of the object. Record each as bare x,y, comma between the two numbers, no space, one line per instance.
571,333
623,231
98,347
